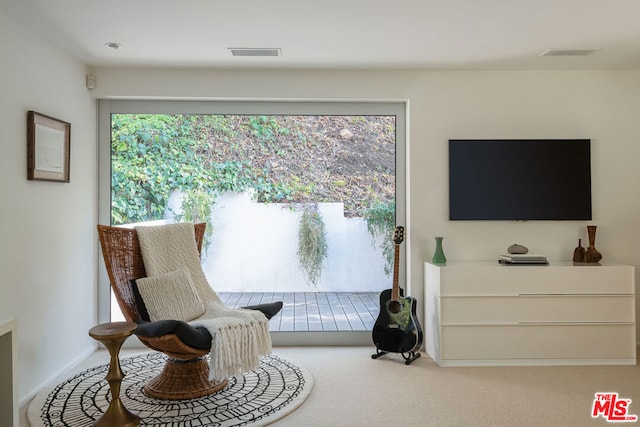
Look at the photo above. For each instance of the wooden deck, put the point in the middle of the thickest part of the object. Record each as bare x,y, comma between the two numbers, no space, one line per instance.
314,311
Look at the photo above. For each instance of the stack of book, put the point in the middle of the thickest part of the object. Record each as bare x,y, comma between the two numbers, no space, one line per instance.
519,259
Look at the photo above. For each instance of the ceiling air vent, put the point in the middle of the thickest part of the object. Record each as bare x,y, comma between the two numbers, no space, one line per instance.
255,51
570,52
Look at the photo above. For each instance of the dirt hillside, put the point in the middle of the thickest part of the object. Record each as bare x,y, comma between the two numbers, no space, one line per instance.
349,159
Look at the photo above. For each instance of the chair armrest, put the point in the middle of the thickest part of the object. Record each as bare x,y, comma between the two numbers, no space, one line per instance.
199,337
268,309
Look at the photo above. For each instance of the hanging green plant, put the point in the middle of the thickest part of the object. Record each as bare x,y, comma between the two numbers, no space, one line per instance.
196,207
312,243
381,222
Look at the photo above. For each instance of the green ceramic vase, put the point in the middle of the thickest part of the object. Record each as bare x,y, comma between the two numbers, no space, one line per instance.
438,255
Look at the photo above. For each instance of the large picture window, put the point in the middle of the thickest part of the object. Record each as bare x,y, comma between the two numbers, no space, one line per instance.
300,198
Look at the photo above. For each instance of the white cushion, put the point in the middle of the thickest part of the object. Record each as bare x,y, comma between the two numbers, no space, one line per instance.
171,295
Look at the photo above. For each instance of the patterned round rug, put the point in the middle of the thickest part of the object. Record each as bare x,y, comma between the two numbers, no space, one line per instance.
255,398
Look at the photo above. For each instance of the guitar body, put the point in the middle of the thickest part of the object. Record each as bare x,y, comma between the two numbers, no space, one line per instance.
397,329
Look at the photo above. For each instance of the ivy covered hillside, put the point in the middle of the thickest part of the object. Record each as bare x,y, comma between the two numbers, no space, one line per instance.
302,160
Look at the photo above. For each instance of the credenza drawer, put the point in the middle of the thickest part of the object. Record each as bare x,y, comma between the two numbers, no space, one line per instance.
531,308
537,280
557,341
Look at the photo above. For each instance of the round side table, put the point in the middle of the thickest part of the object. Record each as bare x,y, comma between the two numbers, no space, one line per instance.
113,335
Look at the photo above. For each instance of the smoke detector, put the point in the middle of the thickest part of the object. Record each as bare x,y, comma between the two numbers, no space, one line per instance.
570,52
255,51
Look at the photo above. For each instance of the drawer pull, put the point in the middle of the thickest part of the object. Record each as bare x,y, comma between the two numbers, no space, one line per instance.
574,295
572,323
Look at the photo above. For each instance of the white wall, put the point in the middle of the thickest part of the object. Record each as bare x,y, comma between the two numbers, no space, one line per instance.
47,230
601,105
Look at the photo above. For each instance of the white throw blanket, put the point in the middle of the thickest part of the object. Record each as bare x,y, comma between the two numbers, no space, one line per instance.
239,336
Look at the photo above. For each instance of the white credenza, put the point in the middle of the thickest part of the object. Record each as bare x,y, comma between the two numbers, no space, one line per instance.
486,314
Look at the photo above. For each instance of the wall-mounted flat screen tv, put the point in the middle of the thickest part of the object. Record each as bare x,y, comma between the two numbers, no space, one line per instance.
520,179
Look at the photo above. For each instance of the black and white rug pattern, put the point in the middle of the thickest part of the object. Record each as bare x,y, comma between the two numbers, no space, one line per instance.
255,398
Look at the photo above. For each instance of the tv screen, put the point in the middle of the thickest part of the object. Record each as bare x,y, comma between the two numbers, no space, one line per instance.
522,179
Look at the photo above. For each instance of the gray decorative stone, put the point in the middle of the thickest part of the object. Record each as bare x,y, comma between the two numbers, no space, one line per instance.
517,249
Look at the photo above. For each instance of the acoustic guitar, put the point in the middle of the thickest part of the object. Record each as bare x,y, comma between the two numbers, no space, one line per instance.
397,329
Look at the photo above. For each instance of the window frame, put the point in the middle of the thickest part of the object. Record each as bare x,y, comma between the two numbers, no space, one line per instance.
398,108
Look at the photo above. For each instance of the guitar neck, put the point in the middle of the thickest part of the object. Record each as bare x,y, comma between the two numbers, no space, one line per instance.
395,291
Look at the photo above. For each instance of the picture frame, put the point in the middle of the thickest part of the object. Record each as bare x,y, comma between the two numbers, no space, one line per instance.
48,148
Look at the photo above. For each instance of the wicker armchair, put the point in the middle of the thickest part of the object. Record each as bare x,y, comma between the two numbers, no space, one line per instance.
186,372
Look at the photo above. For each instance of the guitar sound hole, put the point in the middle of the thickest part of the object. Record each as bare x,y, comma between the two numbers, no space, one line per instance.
394,307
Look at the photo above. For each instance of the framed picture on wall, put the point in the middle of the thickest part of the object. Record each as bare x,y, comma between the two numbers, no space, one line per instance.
48,148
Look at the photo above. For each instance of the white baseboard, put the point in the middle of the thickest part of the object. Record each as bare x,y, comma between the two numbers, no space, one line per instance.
65,370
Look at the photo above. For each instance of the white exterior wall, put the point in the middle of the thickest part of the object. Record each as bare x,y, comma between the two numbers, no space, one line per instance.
254,246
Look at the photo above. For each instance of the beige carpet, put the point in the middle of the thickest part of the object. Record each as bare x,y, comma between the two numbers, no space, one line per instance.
351,389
